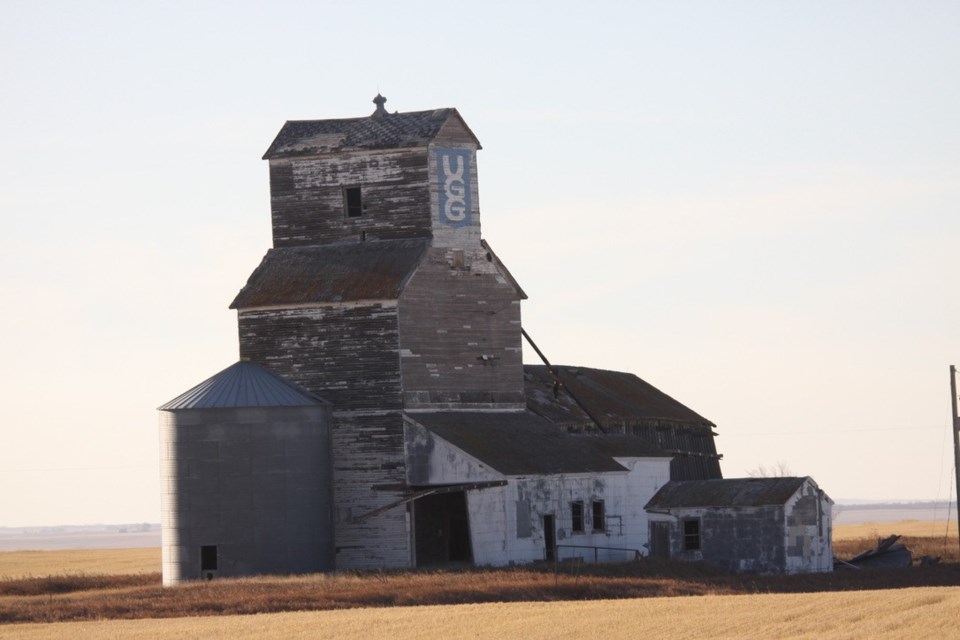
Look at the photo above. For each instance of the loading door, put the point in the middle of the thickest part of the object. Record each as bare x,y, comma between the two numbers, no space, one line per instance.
442,529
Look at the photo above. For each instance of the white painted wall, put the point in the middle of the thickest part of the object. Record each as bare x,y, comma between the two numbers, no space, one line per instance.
493,514
815,537
493,511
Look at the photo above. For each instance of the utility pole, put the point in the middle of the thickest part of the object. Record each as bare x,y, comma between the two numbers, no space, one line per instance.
956,440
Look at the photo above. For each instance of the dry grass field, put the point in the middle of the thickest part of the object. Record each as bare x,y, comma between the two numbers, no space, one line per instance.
117,593
23,564
911,528
902,614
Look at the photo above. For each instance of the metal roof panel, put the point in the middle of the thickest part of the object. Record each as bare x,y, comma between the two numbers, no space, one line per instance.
244,384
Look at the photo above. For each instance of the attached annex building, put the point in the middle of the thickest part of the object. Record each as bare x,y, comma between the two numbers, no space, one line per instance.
381,414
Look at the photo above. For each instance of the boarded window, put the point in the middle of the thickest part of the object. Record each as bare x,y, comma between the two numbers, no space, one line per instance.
576,513
599,516
691,534
352,202
523,518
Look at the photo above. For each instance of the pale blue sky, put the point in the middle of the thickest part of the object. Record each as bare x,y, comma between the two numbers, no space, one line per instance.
751,205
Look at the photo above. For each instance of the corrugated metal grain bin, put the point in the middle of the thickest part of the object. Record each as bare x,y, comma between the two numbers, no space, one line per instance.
246,478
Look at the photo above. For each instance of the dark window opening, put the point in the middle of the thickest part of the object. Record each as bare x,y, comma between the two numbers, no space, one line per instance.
691,535
208,557
576,511
352,202
599,517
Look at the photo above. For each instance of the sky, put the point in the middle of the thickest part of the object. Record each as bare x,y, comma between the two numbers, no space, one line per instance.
754,206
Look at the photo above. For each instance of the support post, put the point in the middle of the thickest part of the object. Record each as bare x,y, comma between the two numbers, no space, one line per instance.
956,442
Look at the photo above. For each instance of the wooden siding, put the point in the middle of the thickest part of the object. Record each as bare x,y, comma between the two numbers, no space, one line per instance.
460,334
343,353
369,458
347,354
454,133
693,447
306,197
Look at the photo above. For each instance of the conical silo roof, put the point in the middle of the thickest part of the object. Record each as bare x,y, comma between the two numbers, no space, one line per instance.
244,384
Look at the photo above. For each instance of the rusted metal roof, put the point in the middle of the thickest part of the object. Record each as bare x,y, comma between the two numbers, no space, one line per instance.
612,397
732,492
332,273
522,443
381,131
244,384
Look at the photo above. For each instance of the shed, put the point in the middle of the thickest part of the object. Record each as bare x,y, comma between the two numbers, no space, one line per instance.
768,525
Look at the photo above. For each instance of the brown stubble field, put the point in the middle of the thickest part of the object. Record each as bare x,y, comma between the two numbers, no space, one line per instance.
85,588
905,614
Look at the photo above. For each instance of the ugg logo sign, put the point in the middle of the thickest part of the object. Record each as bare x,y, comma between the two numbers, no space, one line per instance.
453,173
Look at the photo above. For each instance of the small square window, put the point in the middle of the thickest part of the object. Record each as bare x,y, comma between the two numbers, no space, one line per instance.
691,535
599,517
576,513
352,202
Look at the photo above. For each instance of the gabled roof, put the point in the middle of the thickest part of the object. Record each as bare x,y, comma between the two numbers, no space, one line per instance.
733,492
244,384
380,131
610,396
332,273
521,443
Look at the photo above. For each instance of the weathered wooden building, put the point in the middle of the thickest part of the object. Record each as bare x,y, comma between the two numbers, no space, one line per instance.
380,297
768,525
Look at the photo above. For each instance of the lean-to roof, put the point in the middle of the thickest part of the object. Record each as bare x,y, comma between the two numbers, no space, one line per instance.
522,443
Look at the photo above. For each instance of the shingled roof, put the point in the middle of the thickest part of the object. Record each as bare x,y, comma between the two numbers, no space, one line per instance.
522,443
733,492
378,131
611,396
243,384
332,273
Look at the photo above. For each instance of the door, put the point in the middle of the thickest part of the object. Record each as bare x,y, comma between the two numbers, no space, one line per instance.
549,538
660,539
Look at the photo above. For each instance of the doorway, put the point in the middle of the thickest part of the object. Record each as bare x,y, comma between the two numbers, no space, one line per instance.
442,529
660,539
549,538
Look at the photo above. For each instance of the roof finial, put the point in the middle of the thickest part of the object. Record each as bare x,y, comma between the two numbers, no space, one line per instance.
379,101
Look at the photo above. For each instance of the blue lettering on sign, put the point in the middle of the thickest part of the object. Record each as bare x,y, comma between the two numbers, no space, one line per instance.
453,174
